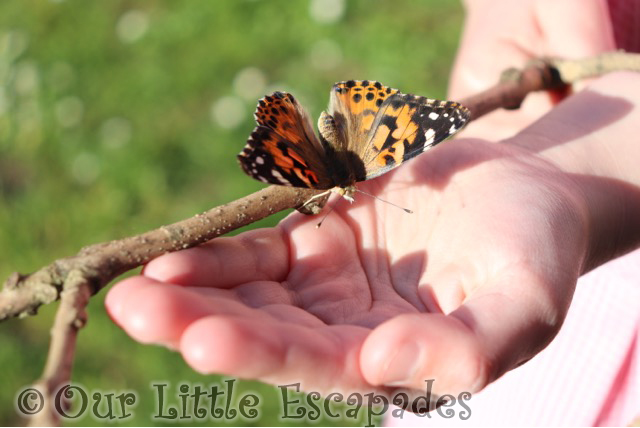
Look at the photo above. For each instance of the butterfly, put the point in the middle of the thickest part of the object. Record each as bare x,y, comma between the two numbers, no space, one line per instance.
368,130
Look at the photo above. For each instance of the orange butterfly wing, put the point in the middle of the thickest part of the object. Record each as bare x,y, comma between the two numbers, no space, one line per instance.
283,149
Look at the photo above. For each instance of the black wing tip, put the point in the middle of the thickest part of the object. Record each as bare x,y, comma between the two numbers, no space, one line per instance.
348,84
461,111
265,101
269,98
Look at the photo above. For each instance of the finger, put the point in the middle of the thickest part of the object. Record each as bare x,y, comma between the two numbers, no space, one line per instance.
575,28
276,352
154,312
224,262
119,294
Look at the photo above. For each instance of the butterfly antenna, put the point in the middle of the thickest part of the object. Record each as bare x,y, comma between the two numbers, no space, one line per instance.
328,212
382,200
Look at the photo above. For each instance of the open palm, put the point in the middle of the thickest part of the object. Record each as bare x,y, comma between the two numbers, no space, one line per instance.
460,291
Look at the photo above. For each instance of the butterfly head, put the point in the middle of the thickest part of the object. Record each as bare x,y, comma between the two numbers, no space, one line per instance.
346,192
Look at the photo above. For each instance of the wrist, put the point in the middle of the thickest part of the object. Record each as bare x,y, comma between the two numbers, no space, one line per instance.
592,139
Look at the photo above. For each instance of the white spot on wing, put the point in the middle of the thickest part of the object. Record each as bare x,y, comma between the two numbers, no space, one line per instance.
430,134
452,130
279,177
259,161
433,115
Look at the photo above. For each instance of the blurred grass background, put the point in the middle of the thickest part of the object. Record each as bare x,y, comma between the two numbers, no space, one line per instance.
119,116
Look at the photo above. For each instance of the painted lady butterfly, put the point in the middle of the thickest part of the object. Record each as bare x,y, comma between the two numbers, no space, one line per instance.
369,130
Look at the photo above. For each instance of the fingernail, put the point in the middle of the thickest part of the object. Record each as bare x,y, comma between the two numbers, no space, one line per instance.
403,365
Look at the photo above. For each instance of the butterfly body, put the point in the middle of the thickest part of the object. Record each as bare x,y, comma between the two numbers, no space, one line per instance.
368,130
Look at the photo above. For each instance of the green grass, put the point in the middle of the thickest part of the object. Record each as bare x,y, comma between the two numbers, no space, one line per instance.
106,130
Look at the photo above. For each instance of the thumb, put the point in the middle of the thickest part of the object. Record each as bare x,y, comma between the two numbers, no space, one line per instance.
411,349
498,327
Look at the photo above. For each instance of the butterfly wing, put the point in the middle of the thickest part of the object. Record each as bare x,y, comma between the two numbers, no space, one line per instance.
283,149
353,106
405,126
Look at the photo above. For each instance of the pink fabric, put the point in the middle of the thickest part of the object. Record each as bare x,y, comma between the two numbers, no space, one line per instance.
589,375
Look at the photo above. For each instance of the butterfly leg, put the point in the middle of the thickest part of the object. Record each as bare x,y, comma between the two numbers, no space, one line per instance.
318,196
314,204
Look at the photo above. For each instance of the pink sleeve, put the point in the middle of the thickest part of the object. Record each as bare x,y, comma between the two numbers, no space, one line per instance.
625,20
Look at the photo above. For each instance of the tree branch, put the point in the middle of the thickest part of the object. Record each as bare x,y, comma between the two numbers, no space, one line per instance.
70,318
100,263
